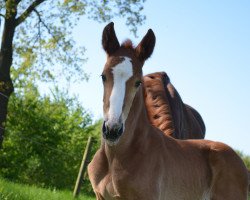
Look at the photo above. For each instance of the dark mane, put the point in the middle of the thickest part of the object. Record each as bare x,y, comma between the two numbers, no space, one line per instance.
128,44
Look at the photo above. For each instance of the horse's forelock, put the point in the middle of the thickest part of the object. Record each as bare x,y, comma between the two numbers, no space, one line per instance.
128,44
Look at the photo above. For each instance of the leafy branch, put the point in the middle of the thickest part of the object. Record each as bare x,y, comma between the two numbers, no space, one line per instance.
28,11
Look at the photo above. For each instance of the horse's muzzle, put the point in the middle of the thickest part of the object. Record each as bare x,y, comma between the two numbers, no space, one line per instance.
111,134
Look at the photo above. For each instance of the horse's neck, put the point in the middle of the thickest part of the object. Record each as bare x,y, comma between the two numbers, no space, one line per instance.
136,130
138,119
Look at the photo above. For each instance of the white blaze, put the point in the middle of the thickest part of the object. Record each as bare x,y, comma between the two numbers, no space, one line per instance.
121,73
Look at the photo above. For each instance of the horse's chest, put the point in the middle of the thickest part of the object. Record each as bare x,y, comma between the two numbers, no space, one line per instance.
119,188
126,186
131,180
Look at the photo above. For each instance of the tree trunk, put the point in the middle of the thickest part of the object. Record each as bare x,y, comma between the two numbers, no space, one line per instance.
6,53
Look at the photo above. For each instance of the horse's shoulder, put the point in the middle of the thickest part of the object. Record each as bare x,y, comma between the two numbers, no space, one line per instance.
98,167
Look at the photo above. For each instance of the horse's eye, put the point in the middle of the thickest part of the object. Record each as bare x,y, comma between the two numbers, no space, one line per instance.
137,83
103,77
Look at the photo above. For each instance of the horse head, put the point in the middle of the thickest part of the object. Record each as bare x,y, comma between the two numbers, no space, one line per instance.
122,76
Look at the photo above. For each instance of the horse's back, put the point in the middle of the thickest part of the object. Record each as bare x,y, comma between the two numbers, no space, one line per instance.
195,122
229,175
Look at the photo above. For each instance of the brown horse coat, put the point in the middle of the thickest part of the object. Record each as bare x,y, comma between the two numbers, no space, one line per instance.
166,110
137,161
153,166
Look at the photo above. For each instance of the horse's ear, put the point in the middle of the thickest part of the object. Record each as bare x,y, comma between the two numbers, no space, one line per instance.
109,40
146,46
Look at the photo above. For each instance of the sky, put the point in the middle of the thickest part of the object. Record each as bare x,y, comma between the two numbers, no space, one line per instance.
203,46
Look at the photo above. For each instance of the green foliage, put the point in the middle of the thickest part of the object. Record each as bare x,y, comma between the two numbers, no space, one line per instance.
14,191
45,139
43,44
245,158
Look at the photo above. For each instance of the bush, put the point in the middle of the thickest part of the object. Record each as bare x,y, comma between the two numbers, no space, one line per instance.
45,139
245,158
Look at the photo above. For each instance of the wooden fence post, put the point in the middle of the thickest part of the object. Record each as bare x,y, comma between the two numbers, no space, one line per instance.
83,168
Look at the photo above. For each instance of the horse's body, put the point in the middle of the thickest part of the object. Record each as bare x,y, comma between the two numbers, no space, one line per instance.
156,167
166,110
137,160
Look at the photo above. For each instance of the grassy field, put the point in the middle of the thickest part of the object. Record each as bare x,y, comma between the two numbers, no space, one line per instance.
13,191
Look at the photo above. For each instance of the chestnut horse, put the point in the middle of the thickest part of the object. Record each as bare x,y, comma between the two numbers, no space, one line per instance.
166,110
136,160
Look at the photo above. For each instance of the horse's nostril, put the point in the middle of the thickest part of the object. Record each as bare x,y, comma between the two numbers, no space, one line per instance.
121,128
104,128
120,131
112,133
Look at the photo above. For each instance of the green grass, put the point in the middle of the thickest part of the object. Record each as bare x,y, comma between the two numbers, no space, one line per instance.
14,191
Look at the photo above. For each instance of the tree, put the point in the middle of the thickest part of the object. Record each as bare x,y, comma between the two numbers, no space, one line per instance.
37,35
